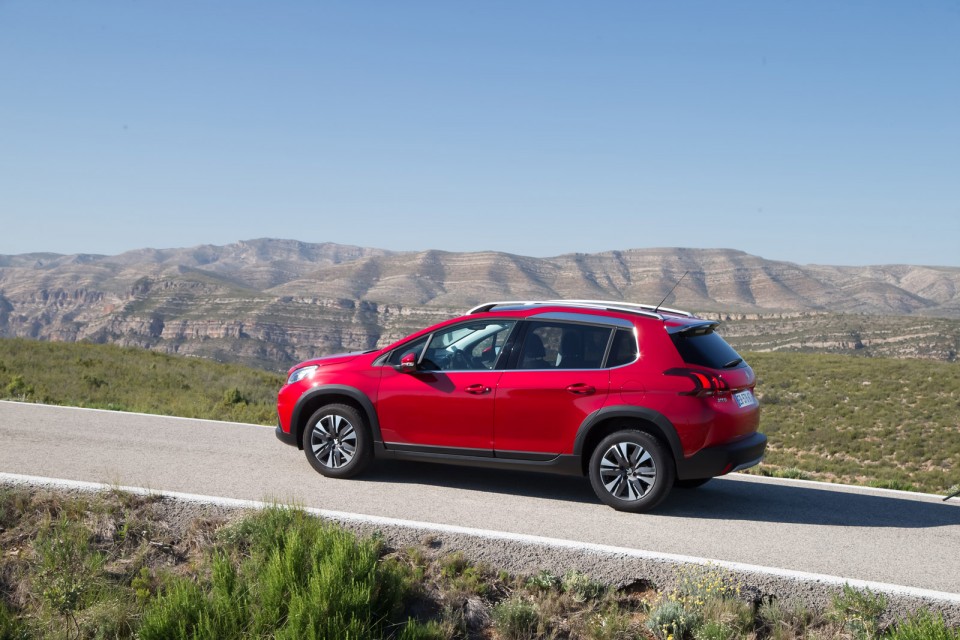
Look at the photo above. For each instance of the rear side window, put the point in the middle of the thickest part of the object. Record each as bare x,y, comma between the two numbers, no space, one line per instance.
560,345
624,349
706,349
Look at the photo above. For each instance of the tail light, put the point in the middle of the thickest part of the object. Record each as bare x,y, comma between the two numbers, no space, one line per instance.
705,383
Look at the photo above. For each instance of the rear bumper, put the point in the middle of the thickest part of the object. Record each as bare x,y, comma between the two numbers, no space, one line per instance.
284,437
718,461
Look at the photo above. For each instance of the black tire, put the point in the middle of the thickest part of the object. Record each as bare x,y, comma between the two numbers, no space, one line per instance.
691,484
337,441
631,471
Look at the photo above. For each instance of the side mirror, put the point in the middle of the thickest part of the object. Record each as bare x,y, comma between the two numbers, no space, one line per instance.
408,363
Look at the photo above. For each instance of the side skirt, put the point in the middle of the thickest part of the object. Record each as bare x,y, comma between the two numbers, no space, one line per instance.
560,464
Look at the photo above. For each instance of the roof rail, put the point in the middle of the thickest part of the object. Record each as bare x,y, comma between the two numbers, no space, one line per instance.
609,305
645,307
486,306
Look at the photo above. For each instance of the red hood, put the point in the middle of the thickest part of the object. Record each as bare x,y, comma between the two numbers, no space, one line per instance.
336,358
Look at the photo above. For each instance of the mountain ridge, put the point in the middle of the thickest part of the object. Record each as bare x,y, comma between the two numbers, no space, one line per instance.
273,300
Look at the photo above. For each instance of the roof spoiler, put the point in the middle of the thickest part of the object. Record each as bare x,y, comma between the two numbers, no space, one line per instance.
696,328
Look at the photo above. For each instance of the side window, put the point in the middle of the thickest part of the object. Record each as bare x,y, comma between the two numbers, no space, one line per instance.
411,347
488,349
624,349
467,347
560,345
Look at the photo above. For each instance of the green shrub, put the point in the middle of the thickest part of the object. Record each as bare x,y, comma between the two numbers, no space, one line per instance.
284,574
791,473
67,569
516,619
18,388
234,396
10,626
13,502
543,581
672,619
730,614
923,626
893,483
453,564
715,630
610,624
178,614
699,584
858,611
463,576
581,587
111,616
784,620
415,630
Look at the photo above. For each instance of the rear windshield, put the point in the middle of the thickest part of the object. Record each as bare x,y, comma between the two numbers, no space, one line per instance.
706,349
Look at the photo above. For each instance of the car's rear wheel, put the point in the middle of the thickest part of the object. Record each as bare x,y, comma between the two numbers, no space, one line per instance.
336,441
631,471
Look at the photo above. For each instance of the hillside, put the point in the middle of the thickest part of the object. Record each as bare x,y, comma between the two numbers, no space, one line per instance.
130,379
272,302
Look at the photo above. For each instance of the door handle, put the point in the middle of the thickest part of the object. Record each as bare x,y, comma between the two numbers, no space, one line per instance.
581,389
477,389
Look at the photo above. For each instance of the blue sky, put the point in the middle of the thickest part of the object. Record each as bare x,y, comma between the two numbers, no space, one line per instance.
815,132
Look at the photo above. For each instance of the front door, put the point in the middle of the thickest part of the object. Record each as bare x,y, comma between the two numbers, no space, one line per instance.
447,404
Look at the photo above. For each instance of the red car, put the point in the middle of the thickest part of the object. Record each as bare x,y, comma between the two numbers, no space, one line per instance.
639,398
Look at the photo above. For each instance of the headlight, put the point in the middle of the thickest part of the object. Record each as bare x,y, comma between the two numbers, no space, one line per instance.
300,374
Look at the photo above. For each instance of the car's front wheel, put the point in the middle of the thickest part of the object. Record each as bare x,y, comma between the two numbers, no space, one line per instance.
336,441
631,471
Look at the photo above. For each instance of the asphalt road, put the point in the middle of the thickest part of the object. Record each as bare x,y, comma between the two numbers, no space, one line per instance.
865,534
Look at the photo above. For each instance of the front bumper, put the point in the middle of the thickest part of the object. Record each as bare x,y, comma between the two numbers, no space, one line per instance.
723,459
284,437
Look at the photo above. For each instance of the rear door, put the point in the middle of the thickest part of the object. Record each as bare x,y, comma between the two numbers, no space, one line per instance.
555,379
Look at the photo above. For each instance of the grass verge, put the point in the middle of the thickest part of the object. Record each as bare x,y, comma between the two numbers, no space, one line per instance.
115,565
131,379
892,424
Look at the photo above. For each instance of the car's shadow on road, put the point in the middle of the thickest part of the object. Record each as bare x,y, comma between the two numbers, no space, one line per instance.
519,483
727,499
720,499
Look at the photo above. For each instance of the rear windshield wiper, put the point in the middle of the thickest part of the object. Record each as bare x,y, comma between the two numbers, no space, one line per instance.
732,363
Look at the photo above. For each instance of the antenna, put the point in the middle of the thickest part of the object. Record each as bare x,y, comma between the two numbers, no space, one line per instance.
671,290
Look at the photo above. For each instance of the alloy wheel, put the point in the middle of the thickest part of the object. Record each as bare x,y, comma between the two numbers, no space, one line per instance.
333,441
628,471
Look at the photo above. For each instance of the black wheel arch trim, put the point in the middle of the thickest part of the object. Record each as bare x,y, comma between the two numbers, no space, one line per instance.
333,390
664,426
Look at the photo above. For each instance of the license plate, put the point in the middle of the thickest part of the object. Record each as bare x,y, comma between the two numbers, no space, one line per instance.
744,398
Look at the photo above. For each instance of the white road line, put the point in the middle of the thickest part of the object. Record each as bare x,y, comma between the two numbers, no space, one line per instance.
819,484
557,543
